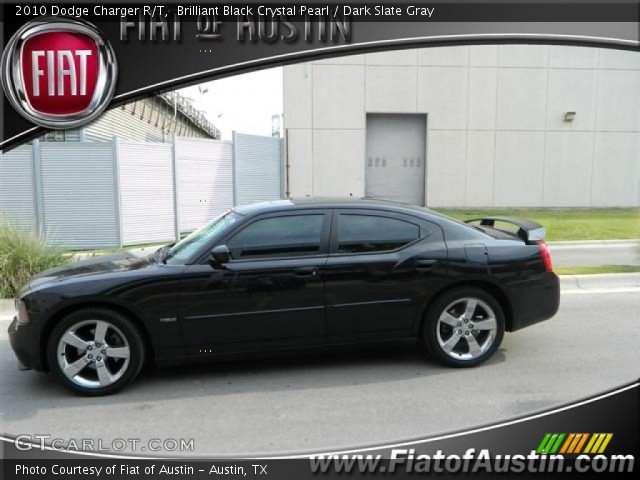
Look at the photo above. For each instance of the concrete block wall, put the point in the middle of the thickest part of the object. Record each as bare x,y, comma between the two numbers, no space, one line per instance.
496,135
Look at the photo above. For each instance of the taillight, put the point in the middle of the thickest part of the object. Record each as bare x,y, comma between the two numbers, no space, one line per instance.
546,255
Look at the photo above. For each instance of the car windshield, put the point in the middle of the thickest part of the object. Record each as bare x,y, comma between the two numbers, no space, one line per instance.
190,244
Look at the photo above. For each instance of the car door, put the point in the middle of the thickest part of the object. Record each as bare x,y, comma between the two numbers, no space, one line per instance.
269,295
380,269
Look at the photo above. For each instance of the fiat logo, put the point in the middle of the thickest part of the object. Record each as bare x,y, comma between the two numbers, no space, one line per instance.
59,73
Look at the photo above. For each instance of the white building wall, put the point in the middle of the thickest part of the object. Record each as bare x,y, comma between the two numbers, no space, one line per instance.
496,135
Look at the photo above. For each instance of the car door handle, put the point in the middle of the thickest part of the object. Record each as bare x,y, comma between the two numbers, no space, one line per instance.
425,264
305,271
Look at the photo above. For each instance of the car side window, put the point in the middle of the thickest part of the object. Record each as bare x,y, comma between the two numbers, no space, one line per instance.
286,236
371,233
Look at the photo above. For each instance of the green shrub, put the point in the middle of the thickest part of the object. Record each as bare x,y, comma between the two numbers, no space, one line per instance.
23,255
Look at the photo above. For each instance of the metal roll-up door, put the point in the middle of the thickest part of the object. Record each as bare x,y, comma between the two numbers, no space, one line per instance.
146,192
17,188
258,168
396,157
204,172
79,194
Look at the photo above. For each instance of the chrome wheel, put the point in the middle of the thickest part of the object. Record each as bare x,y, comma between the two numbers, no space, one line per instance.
466,328
93,353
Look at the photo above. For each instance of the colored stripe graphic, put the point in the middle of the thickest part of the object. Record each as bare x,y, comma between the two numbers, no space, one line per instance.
606,442
567,443
600,443
556,445
576,443
592,440
550,443
573,443
582,442
543,443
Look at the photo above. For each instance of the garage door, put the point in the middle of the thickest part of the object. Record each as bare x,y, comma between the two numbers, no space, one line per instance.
395,163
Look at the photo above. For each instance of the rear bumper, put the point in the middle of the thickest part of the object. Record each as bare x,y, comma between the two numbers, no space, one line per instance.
534,300
25,341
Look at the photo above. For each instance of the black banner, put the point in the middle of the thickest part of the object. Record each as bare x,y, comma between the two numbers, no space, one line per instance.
181,49
482,451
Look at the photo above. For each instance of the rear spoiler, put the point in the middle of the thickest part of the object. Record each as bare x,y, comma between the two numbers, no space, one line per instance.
527,230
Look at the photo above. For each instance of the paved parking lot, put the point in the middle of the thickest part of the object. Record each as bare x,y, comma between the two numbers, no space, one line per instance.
327,401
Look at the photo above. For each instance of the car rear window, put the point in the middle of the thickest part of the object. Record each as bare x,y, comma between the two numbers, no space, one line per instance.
373,233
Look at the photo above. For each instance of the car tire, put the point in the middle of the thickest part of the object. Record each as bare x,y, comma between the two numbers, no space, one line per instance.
95,351
454,339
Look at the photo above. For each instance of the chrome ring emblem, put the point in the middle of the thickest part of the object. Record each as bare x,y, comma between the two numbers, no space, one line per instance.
14,81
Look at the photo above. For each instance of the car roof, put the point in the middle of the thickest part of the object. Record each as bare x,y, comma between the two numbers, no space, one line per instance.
456,228
352,202
330,202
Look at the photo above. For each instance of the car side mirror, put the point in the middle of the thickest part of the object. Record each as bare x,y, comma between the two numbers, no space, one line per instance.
219,256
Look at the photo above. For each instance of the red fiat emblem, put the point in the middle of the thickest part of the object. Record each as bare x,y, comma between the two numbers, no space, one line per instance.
59,73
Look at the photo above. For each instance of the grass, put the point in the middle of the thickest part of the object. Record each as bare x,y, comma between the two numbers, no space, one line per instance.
23,255
571,224
597,269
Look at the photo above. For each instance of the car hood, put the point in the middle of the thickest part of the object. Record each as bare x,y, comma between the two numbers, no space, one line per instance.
101,264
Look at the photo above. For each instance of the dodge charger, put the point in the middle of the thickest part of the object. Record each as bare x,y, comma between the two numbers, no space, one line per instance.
286,275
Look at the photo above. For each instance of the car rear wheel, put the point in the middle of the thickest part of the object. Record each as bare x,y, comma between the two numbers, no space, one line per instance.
464,327
95,351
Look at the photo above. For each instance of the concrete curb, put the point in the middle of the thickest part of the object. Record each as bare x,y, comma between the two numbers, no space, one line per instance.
594,243
600,281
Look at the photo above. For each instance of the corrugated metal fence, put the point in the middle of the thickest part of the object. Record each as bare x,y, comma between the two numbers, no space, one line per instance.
78,192
17,187
252,150
205,180
147,192
87,195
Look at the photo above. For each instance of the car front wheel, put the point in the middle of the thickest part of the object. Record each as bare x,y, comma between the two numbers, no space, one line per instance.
95,351
464,327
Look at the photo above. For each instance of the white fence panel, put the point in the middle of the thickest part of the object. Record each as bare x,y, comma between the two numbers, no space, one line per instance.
258,168
204,170
79,194
86,195
146,192
17,188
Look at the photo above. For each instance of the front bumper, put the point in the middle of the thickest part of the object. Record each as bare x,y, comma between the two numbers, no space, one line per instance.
25,343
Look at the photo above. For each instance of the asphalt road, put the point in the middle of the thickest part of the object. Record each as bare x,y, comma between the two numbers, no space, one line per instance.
585,255
329,401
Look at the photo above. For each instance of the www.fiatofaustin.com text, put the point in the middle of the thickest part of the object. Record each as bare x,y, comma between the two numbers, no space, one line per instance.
471,461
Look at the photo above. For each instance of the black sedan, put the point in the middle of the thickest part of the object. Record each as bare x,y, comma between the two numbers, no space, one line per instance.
287,275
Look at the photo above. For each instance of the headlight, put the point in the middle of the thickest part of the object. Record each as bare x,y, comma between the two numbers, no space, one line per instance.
23,315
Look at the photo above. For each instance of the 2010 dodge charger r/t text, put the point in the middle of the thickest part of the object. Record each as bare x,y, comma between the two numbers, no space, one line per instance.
289,274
